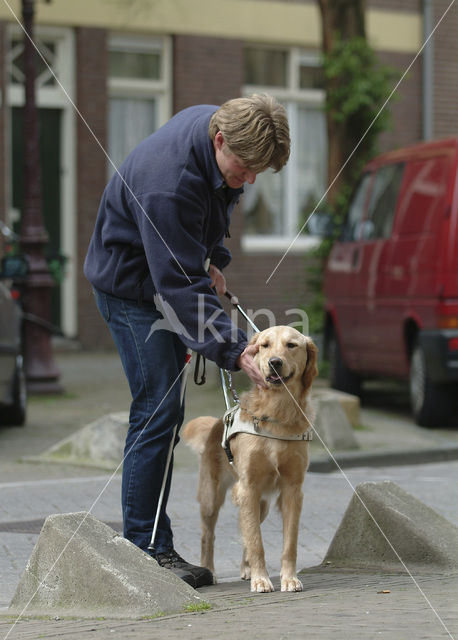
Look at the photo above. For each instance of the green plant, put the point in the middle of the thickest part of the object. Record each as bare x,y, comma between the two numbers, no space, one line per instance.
197,607
357,87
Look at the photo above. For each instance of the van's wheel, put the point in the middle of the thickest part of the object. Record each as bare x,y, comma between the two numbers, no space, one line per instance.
432,404
340,376
14,415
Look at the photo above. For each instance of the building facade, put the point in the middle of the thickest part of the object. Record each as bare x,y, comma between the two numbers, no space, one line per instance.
112,71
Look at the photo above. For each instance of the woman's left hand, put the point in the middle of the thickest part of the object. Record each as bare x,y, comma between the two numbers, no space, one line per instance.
217,279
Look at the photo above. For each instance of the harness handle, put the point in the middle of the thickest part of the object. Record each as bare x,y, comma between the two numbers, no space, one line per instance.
203,379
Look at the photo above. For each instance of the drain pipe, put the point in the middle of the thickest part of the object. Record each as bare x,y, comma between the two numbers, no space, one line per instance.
428,72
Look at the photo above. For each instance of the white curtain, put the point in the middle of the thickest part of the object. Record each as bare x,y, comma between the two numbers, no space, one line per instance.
130,121
265,202
311,159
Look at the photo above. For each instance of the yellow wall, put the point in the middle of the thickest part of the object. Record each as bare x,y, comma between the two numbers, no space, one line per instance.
254,20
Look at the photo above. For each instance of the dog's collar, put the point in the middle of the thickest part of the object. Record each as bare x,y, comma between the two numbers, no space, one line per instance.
234,424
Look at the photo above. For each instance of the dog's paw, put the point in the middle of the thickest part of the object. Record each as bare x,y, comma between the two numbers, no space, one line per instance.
261,585
245,571
291,584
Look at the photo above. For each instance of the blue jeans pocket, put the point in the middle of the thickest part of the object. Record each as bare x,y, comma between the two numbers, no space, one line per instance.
102,304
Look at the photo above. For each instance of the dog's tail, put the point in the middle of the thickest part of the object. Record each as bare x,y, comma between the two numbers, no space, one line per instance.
196,432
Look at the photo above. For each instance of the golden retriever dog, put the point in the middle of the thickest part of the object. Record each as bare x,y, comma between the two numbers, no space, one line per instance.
262,466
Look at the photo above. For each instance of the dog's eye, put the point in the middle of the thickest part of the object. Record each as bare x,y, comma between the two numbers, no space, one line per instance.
265,345
291,345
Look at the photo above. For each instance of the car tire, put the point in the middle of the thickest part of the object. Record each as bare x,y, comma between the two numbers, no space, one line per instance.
340,376
432,404
14,415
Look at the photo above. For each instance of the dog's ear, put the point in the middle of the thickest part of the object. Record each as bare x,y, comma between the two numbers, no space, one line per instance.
311,368
254,338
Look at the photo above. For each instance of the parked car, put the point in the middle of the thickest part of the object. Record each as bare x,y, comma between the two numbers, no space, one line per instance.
391,280
13,396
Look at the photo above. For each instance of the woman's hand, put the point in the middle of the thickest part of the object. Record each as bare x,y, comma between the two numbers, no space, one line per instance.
246,362
218,281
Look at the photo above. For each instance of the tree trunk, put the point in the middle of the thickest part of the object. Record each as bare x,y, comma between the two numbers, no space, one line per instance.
340,20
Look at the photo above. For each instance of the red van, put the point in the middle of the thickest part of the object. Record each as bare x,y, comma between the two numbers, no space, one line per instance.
391,280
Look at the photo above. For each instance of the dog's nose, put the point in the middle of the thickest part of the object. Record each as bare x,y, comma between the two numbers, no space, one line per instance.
275,364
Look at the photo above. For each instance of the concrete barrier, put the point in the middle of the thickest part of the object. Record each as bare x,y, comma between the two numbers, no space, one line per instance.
98,444
82,567
423,539
349,403
332,425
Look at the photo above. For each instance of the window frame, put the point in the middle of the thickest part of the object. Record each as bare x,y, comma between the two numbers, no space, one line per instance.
293,97
141,88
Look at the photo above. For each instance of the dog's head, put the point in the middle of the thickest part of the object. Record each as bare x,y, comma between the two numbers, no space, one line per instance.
285,357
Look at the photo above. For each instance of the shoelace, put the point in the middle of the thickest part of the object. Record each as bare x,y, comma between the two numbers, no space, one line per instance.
169,558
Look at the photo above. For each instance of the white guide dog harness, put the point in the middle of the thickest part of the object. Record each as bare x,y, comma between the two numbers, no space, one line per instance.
234,424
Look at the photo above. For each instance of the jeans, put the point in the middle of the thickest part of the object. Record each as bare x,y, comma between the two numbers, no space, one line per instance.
152,364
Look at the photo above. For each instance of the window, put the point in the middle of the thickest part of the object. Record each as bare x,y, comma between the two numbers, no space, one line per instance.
277,205
382,205
44,76
139,92
354,223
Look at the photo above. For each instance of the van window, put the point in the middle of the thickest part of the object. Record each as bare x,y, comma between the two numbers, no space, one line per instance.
382,205
425,191
353,224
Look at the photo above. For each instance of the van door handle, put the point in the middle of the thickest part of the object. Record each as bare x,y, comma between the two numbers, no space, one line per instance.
355,257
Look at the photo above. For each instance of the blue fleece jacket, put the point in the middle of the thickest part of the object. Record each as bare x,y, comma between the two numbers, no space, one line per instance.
165,212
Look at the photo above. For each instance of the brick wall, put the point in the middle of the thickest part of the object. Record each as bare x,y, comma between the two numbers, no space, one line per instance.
206,70
247,274
286,290
406,105
445,99
91,57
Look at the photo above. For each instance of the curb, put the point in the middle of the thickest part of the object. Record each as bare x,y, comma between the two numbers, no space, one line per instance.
385,458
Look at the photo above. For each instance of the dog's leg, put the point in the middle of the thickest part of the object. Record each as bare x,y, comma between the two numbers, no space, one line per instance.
245,572
290,503
209,511
209,519
213,485
249,502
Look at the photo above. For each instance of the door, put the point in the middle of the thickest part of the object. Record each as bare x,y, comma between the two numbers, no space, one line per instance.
341,287
379,339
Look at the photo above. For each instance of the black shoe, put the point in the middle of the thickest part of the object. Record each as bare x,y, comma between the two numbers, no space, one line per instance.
190,573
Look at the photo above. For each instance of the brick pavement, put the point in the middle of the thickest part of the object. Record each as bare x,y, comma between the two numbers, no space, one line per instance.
344,605
347,606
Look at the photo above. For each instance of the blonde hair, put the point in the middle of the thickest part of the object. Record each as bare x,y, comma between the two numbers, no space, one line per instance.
255,129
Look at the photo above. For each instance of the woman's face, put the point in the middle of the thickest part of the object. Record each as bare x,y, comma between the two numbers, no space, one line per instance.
232,169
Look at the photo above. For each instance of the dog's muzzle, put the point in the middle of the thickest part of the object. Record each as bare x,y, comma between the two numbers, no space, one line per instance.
275,365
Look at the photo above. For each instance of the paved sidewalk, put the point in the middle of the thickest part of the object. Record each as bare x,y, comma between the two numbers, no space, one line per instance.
332,605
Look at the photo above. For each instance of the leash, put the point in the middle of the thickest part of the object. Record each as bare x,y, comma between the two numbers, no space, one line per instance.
235,303
226,383
225,375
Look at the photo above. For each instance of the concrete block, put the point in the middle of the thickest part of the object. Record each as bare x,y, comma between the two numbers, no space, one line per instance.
349,403
98,444
423,539
82,567
332,425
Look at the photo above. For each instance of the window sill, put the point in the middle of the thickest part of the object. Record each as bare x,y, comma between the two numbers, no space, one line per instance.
279,244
